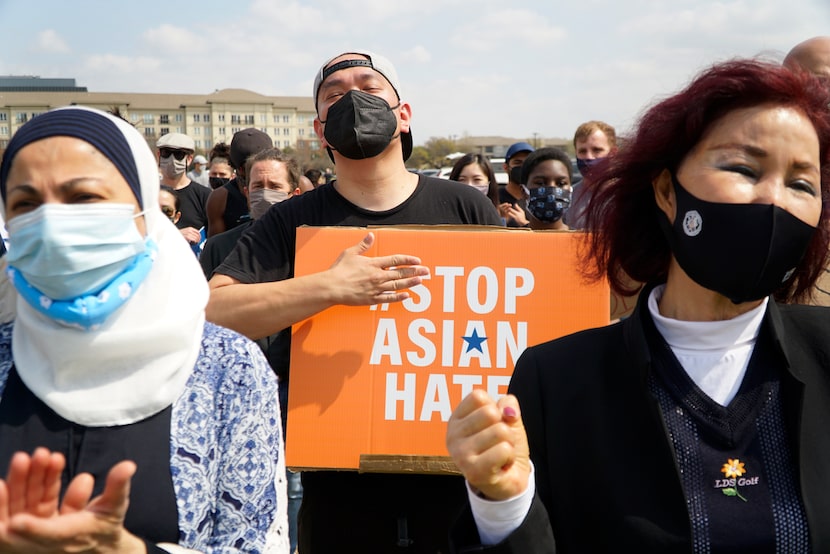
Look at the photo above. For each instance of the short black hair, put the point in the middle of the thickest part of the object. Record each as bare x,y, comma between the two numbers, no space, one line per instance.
542,155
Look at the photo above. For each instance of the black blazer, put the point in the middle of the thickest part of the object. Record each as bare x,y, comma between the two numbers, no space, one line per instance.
606,476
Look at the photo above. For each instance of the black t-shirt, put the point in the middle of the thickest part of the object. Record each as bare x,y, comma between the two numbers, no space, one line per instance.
236,206
192,203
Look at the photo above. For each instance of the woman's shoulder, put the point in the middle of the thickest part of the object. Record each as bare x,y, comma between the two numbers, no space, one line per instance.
228,358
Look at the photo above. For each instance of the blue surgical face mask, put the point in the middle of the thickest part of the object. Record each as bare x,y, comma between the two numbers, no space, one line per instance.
70,250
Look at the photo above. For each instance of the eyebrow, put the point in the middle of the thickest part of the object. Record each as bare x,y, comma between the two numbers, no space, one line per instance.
26,188
759,153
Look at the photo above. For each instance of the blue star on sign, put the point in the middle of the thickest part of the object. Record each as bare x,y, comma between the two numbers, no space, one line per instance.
474,341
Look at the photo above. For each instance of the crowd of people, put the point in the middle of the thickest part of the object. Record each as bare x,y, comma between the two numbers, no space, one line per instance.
144,389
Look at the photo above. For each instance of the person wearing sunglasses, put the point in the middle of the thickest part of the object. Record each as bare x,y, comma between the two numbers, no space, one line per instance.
175,153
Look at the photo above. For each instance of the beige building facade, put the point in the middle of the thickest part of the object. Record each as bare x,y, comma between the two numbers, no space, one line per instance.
207,118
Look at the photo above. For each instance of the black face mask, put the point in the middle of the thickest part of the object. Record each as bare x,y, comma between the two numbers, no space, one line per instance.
548,204
360,125
216,182
742,251
515,174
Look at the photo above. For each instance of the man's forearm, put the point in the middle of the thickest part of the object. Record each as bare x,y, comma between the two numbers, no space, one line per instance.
261,309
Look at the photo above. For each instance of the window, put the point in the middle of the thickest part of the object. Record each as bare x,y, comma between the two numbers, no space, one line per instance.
22,118
206,119
300,119
276,119
4,144
134,117
276,131
196,118
286,143
4,129
165,130
198,143
148,119
197,130
301,132
222,131
315,145
264,130
178,129
3,116
263,118
178,118
35,114
235,119
286,131
164,119
207,131
222,117
249,120
286,118
149,132
235,130
208,144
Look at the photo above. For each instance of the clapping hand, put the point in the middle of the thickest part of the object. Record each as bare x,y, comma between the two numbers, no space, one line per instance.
32,520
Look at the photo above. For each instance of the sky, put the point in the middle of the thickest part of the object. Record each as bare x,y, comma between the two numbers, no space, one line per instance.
520,69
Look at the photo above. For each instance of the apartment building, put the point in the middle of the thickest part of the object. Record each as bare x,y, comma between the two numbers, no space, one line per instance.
207,118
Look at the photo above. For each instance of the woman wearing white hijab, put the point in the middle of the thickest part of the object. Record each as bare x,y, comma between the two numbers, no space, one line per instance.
110,359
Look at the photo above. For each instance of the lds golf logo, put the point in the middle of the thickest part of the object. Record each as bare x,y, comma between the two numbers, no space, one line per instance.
734,471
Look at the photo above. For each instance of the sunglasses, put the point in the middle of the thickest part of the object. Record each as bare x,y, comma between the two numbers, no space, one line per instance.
167,152
168,211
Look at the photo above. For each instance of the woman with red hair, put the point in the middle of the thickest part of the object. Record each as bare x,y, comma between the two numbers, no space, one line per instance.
698,424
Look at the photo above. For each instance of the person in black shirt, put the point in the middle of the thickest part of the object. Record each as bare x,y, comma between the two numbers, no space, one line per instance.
255,292
175,152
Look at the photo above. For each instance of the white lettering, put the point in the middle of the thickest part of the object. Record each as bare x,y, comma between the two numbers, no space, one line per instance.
447,343
386,343
507,340
467,383
449,273
491,290
422,342
512,289
436,399
495,383
393,396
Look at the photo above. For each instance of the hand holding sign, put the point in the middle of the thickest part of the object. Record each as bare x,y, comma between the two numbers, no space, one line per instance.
361,280
488,443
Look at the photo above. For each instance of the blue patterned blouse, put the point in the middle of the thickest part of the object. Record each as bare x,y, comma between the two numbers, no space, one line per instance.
225,448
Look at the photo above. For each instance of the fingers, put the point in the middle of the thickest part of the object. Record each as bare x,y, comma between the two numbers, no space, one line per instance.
487,441
16,481
116,496
4,502
77,494
362,246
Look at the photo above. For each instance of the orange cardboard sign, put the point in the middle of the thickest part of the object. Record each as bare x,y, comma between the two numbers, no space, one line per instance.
384,379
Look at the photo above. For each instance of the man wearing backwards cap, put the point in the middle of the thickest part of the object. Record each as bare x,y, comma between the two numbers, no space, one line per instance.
365,126
227,206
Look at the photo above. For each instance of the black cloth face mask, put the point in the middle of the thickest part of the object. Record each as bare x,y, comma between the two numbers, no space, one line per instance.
216,182
742,251
548,204
360,125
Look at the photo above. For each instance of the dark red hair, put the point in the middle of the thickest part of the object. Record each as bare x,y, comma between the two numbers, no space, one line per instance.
626,241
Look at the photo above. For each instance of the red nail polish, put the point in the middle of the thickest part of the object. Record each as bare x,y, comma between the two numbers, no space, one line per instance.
509,412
